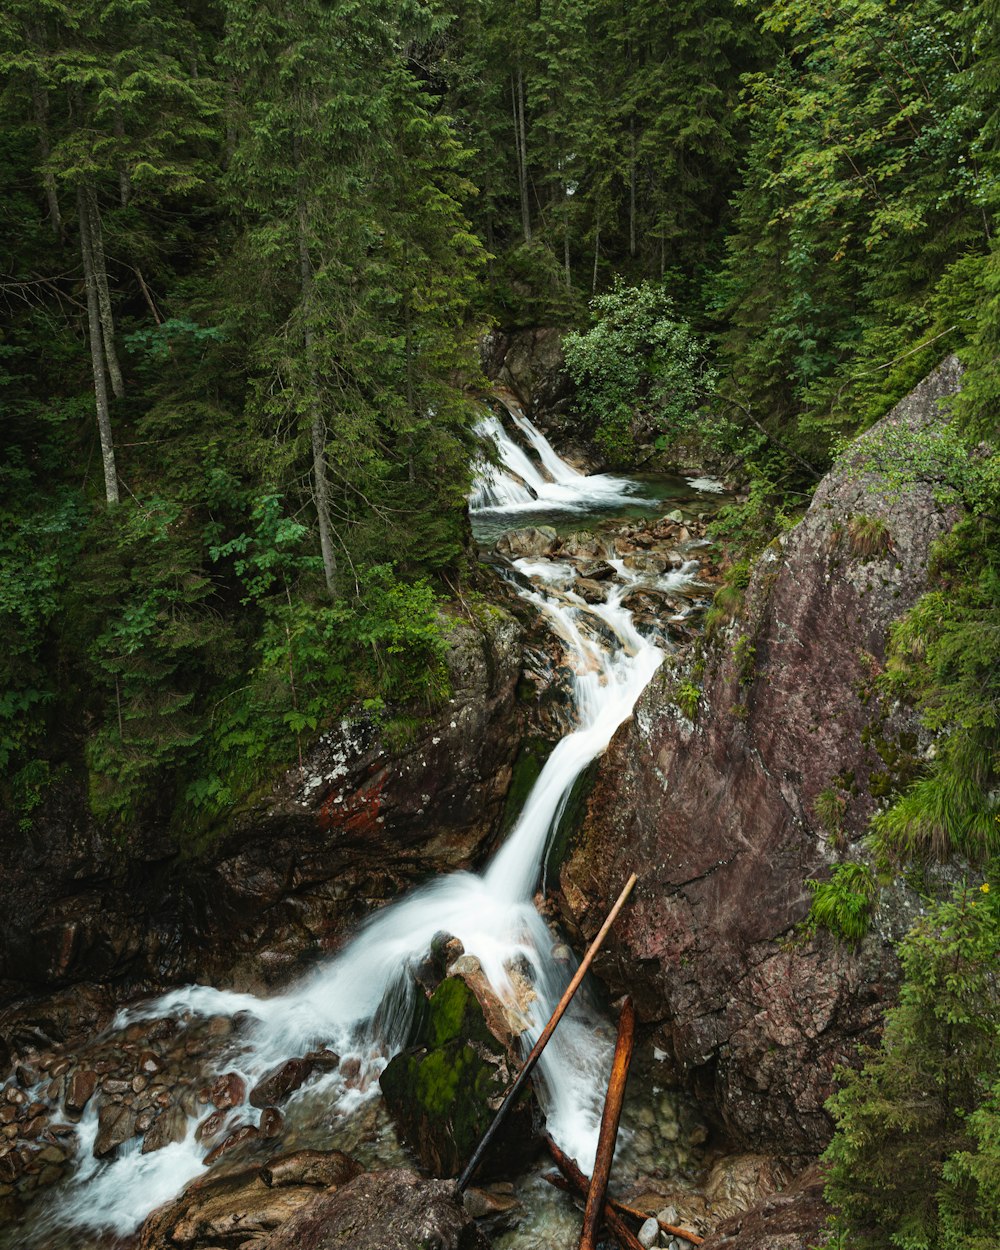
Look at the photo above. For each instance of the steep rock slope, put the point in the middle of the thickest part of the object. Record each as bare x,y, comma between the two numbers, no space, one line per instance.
719,815
362,819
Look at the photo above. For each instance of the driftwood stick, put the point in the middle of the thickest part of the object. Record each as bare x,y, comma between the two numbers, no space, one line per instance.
546,1033
560,1182
580,1184
609,1127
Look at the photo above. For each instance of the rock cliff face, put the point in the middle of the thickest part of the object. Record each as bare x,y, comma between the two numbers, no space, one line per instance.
780,771
358,822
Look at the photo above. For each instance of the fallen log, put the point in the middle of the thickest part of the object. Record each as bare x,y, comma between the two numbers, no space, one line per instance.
580,1185
543,1038
610,1119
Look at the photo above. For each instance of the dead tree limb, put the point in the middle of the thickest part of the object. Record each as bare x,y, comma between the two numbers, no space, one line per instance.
610,1118
546,1033
560,1182
580,1184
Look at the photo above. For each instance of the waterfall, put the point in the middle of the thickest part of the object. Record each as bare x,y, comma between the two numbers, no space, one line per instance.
520,484
360,1002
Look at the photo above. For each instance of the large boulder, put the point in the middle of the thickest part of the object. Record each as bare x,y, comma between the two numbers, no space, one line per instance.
531,364
238,1210
444,1092
790,753
392,1210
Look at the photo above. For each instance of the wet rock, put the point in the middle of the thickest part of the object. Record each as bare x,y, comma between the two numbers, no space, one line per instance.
169,1126
590,591
323,1060
655,562
392,1210
240,1137
443,1093
493,1207
530,543
310,1167
150,1063
280,1082
597,570
234,1210
272,1123
584,546
11,1167
79,1091
115,1125
228,1091
788,1220
15,1097
649,1233
725,807
211,1126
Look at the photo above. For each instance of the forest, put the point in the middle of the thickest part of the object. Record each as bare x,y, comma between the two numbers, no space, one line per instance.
249,253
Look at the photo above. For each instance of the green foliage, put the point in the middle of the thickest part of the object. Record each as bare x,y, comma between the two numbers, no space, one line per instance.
916,1153
843,903
828,808
868,536
687,696
638,368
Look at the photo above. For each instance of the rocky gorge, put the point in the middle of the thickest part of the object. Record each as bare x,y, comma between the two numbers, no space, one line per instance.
712,797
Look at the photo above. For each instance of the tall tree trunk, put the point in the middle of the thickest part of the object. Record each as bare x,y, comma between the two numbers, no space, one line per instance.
97,351
317,426
597,249
41,106
566,265
96,235
631,190
124,184
521,145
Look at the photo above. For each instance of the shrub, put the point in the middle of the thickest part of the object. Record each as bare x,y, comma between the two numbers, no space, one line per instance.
915,1159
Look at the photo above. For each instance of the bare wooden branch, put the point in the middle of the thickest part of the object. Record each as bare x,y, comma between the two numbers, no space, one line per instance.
544,1036
580,1184
610,1118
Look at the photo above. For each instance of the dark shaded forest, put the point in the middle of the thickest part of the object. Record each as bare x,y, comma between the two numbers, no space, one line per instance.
249,251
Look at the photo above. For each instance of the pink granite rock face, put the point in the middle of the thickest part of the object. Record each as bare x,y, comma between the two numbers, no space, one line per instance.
719,815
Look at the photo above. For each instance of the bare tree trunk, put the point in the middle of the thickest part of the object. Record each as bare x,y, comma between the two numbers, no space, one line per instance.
597,249
317,426
124,185
521,144
41,105
96,235
566,265
97,352
631,191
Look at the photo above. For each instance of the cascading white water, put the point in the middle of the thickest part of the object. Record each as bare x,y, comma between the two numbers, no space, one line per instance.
360,1002
519,485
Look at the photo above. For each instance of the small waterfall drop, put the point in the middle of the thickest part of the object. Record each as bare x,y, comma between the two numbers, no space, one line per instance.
360,1002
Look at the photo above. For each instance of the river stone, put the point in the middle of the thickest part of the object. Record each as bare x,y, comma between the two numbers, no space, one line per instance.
233,1210
228,1091
79,1091
310,1167
272,1123
245,1133
589,590
531,543
169,1126
649,1234
584,545
280,1082
443,1093
115,1125
392,1210
596,570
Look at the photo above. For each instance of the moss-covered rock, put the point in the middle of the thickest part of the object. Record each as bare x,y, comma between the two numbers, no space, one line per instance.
444,1092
